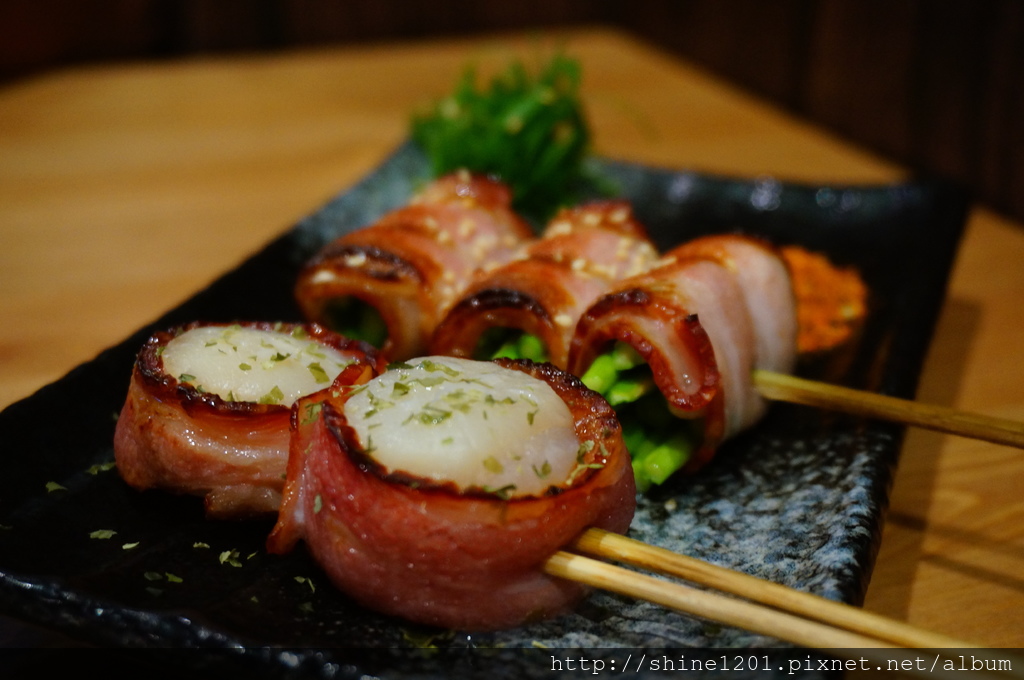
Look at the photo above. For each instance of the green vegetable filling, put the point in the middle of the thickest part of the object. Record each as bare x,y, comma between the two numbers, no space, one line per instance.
510,343
659,443
356,319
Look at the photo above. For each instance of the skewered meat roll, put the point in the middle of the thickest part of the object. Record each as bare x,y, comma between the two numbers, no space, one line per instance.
542,294
208,408
713,310
436,491
767,289
390,283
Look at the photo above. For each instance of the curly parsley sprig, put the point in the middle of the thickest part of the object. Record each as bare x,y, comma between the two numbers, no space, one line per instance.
529,130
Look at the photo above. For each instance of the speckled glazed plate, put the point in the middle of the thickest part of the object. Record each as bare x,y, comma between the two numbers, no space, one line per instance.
797,500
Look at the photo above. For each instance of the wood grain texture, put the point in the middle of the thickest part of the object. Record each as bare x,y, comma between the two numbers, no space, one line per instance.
124,189
938,85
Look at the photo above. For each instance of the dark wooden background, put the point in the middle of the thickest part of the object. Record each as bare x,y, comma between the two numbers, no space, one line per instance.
937,85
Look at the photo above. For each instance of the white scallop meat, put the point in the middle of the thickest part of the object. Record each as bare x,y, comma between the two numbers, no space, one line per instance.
475,424
249,364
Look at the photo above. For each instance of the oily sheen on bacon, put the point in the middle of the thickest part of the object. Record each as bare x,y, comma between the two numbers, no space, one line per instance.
710,313
414,262
767,286
209,405
543,292
454,554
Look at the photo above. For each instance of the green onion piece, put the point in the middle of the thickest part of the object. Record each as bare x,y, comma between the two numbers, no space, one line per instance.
531,347
659,443
665,459
601,375
625,356
509,350
627,390
620,375
508,343
356,319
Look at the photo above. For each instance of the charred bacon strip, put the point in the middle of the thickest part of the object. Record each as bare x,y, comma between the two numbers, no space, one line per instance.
734,292
542,294
442,554
391,282
185,433
767,285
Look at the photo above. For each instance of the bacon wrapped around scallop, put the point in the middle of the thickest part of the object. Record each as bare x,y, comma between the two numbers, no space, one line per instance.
539,297
391,282
436,491
208,408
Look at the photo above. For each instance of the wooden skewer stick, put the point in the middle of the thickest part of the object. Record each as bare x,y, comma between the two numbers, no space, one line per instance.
861,651
780,387
620,548
705,604
767,608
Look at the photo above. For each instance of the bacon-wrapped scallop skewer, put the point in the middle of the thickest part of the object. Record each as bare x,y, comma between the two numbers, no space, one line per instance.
529,307
389,283
437,491
208,408
688,334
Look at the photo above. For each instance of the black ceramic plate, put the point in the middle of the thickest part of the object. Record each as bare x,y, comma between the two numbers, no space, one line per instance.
797,500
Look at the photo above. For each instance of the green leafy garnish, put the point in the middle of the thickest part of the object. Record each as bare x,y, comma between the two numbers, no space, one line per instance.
274,396
502,492
427,639
312,413
230,557
543,471
526,128
430,415
318,373
101,467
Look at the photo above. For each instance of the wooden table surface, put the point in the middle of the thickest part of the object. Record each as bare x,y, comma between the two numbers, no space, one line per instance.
124,189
